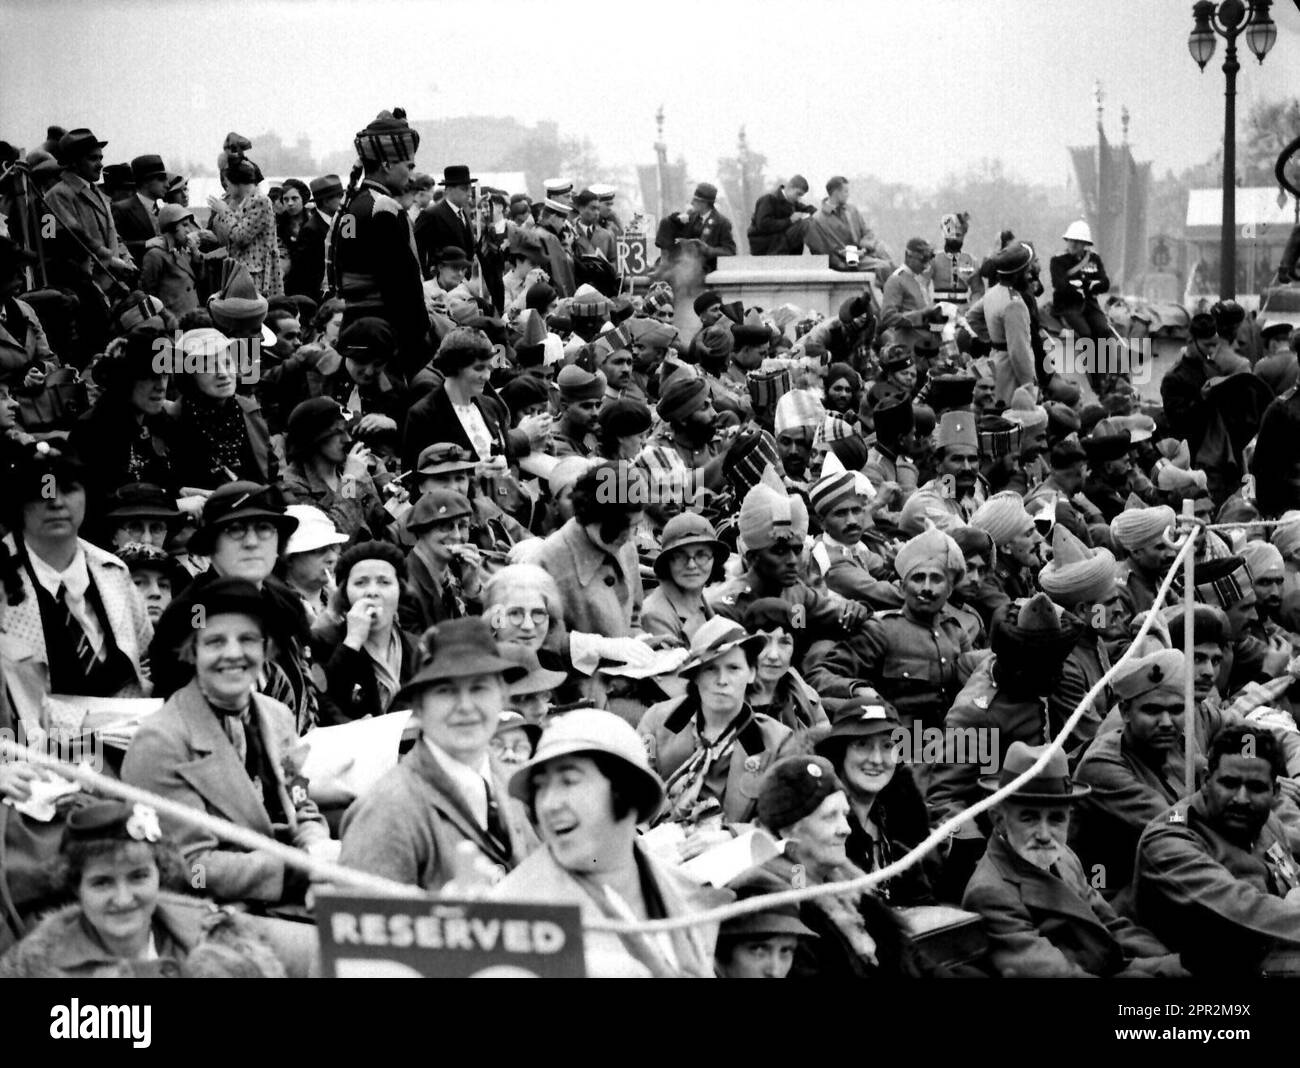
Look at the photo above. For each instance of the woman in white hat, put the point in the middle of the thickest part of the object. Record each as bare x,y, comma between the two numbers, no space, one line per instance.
587,788
307,562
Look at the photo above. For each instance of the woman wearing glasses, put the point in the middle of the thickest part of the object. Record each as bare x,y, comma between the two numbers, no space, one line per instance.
691,558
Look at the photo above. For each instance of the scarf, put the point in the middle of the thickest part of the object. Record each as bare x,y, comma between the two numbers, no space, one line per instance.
221,426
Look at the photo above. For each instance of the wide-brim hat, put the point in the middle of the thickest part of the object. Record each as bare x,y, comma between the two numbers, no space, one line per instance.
324,187
458,649
864,716
240,501
537,679
141,557
444,458
514,721
1052,784
684,530
315,530
717,637
587,730
145,167
143,501
76,143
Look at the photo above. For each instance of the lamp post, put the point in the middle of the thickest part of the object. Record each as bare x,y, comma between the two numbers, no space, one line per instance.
1228,20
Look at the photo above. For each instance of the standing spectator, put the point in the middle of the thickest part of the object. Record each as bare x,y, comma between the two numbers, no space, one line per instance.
289,220
908,307
446,224
306,273
774,230
137,216
244,222
701,233
172,264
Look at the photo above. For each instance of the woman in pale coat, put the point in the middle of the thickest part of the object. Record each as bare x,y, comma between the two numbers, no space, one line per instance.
244,221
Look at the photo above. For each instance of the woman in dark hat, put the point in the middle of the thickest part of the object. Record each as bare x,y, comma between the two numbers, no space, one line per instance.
217,435
445,794
759,945
126,437
778,690
691,558
887,815
129,918
219,746
157,576
622,429
367,657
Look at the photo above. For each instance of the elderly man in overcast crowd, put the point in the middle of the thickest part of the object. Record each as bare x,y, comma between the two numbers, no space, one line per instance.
682,587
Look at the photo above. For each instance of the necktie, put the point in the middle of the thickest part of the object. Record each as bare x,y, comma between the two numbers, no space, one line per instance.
87,656
495,828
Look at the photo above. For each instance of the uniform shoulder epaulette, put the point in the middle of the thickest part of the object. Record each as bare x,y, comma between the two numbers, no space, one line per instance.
385,203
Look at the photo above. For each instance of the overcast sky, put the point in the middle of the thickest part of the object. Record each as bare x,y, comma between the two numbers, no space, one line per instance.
907,90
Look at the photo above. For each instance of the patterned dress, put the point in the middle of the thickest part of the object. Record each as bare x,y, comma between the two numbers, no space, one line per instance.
248,231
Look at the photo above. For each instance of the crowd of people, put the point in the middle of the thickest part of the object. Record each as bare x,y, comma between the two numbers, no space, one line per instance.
386,443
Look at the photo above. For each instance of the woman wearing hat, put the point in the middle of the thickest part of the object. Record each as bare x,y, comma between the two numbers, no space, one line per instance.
414,824
79,627
802,802
887,815
587,788
1044,916
219,746
367,657
778,690
306,565
759,945
217,435
129,918
172,265
244,221
710,747
157,575
691,558
327,471
127,436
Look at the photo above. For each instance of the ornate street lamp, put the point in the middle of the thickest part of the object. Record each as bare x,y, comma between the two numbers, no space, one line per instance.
1228,20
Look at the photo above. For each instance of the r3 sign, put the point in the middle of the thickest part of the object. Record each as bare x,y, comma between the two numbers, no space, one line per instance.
633,258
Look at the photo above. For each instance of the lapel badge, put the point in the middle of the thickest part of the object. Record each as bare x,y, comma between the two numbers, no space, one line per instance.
753,763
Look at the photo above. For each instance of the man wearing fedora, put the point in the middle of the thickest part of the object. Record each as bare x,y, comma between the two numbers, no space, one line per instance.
306,274
414,824
1043,916
447,223
710,747
587,787
371,255
701,232
137,215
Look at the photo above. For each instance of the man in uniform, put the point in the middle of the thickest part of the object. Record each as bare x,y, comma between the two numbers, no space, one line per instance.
581,395
908,306
1140,533
773,524
690,427
1015,536
908,654
841,559
952,497
1009,322
1216,878
373,262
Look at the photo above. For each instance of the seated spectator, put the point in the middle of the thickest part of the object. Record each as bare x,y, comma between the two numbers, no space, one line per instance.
1216,875
222,748
775,230
80,626
759,945
445,792
158,577
838,230
124,923
367,657
709,746
887,816
778,689
691,557
586,789
446,572
1043,917
307,564
327,471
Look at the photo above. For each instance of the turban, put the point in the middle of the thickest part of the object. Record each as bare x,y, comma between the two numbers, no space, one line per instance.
999,437
836,371
927,504
1228,585
714,343
799,408
683,397
651,333
932,546
851,452
667,476
1173,472
1262,559
1139,427
752,453
832,465
1025,411
766,388
834,428
1164,672
1286,535
1076,574
1002,517
830,490
770,515
1135,527
579,385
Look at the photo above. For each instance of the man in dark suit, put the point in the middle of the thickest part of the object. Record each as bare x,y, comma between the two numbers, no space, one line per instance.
703,231
774,230
306,275
136,216
447,223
